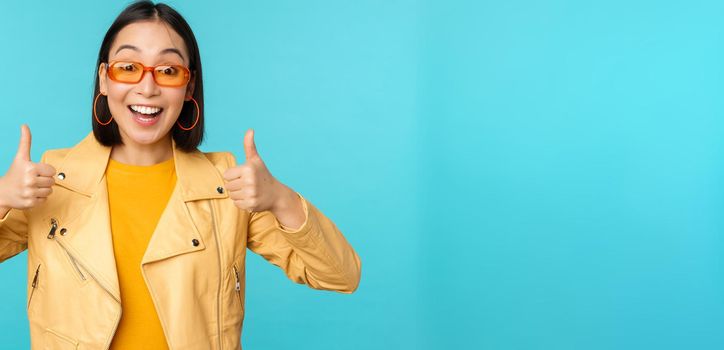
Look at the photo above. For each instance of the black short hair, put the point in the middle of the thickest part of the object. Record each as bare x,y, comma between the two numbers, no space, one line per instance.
187,141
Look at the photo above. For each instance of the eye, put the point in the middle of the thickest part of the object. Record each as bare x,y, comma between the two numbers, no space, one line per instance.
167,70
126,67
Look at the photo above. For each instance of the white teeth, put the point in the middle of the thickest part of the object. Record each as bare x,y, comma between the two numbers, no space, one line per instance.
145,109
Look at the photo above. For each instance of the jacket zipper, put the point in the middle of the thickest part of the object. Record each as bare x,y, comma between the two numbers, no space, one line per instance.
51,235
34,284
53,227
218,290
74,263
238,285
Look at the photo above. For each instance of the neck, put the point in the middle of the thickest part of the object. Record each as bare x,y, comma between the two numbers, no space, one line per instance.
143,154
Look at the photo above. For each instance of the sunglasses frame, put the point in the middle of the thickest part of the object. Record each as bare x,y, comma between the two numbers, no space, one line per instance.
187,73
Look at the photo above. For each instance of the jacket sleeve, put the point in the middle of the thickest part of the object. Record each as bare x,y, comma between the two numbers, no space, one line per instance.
316,254
13,234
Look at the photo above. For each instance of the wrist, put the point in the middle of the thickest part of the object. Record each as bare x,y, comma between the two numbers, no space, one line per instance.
4,207
3,203
284,199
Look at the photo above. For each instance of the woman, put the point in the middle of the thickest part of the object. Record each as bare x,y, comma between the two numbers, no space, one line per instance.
135,238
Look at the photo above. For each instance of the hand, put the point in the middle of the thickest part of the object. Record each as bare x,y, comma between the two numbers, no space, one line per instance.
251,186
26,184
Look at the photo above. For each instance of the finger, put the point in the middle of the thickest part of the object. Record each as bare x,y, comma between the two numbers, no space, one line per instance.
45,169
43,192
232,173
247,193
44,181
235,185
245,204
24,145
249,145
240,172
236,195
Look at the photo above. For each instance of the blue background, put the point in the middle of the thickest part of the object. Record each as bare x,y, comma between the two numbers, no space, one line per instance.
513,174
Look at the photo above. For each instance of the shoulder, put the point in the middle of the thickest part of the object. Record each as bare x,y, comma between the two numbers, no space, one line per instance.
87,146
221,160
54,156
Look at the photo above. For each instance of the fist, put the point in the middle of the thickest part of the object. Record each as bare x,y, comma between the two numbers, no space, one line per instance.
251,186
26,184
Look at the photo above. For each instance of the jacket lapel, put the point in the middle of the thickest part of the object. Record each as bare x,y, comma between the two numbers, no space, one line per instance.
89,236
197,179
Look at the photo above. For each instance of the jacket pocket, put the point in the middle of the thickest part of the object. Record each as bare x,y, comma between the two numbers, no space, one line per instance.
33,285
52,340
237,286
232,300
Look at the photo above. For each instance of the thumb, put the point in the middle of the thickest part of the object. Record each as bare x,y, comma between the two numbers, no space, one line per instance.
24,146
249,145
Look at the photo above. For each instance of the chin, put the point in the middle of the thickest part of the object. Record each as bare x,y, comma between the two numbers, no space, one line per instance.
145,137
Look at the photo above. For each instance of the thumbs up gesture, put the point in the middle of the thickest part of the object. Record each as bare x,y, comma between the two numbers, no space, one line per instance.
251,186
26,184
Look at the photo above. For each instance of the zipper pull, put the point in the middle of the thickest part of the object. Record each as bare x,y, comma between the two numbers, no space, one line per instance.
238,283
35,279
54,227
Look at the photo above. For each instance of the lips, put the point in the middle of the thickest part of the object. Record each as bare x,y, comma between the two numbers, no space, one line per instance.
145,115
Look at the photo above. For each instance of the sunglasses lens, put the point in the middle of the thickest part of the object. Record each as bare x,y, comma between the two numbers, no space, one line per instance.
171,75
126,72
164,75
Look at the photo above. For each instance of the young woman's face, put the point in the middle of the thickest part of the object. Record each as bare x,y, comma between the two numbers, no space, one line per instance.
150,43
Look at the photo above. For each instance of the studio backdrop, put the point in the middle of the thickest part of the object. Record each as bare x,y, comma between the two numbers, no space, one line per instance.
513,174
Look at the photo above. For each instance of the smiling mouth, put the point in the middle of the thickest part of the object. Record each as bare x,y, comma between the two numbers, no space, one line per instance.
145,111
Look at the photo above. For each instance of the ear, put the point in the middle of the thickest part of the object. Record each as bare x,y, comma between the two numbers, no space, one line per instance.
102,79
190,87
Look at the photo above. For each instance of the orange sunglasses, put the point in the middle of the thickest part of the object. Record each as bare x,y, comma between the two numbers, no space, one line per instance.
171,75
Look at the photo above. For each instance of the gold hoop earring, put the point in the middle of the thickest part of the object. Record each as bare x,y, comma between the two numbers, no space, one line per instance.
197,117
96,115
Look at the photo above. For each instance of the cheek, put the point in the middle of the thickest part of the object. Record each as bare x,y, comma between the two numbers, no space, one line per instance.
116,97
175,102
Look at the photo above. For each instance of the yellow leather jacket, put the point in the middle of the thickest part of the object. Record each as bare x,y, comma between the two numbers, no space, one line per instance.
193,265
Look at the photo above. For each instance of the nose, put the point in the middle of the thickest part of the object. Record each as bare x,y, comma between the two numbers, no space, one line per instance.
147,86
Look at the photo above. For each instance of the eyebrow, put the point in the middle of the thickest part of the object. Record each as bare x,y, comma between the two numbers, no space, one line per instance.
164,51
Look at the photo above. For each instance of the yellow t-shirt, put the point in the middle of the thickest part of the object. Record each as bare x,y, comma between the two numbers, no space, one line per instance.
137,195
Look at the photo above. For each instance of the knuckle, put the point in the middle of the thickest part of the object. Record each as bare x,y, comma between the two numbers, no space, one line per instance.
30,169
230,174
236,185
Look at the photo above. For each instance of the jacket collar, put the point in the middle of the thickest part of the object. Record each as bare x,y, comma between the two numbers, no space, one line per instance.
85,164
